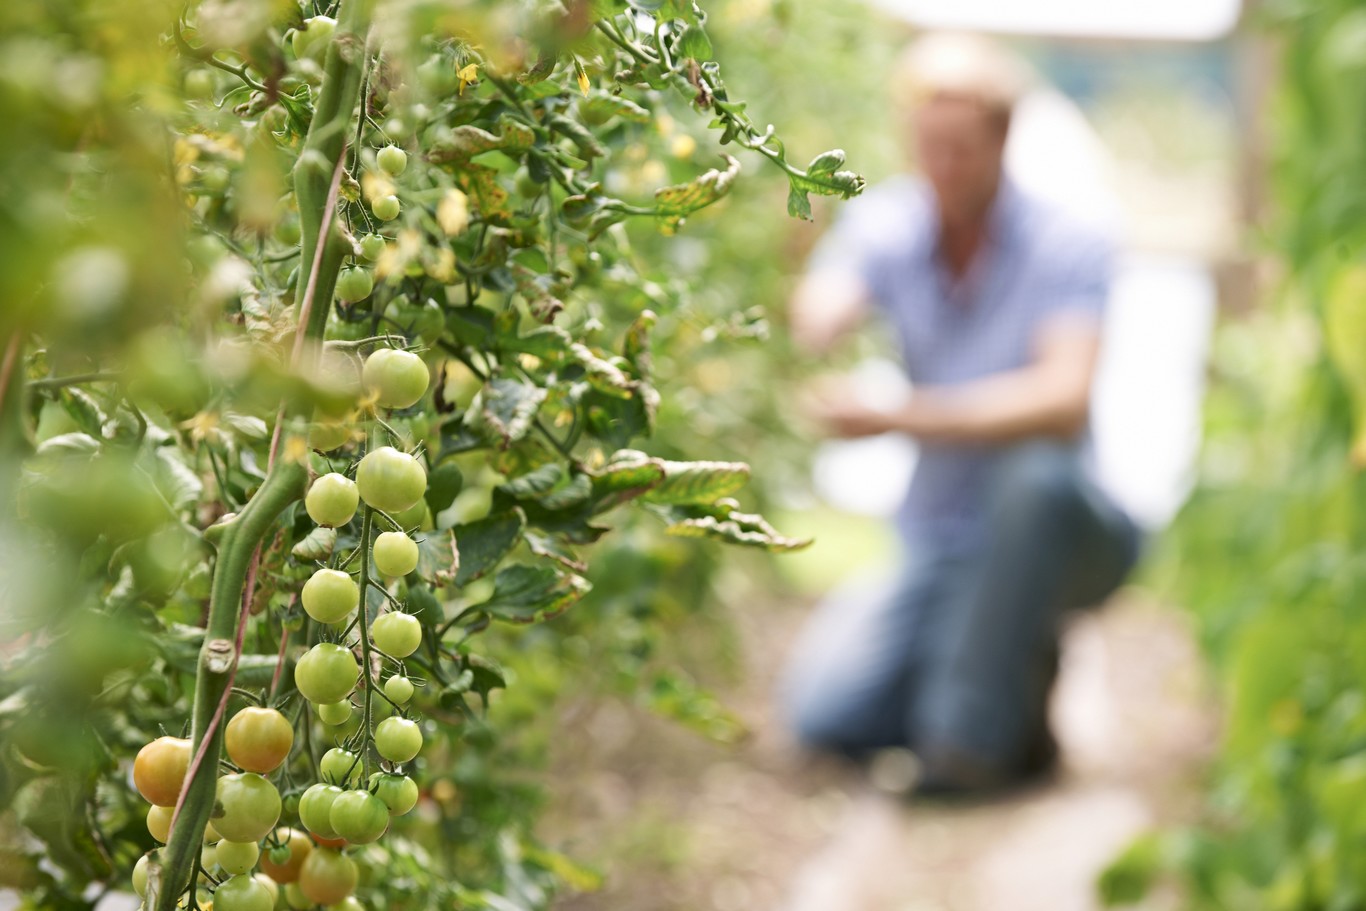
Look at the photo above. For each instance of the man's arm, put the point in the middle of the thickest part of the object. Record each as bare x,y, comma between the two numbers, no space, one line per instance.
825,306
1049,397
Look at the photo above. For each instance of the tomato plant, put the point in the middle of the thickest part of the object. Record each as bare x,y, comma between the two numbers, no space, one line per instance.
200,352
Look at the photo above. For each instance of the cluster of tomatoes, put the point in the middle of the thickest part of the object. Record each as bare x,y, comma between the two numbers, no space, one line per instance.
307,866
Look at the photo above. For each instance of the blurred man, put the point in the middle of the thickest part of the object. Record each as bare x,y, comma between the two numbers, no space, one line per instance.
996,299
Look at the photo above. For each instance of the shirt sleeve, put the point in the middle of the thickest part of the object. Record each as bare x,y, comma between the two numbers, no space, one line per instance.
1083,277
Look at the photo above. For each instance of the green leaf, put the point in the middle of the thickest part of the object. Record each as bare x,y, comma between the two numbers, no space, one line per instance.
486,675
826,163
527,594
438,557
674,204
443,486
545,342
318,545
636,346
600,106
485,542
674,696
798,203
698,482
504,409
534,483
178,483
424,605
693,43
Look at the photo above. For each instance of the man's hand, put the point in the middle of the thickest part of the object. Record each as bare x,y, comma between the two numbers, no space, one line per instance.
835,405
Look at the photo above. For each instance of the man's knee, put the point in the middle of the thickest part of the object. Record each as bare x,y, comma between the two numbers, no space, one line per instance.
1037,479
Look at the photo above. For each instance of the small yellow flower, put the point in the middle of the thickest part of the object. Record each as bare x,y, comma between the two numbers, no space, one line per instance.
469,75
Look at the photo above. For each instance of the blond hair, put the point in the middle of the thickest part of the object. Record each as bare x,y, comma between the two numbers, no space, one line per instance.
960,65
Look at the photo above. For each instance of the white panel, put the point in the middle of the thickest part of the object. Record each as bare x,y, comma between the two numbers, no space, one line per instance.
1184,20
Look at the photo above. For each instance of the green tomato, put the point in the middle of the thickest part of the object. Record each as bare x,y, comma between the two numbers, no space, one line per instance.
359,816
238,856
398,739
159,822
341,767
396,634
315,809
329,596
199,84
399,792
242,893
386,208
312,39
325,436
395,553
326,673
391,481
327,876
335,713
372,246
140,875
251,807
270,886
399,689
355,284
295,898
392,160
208,856
350,903
332,500
400,378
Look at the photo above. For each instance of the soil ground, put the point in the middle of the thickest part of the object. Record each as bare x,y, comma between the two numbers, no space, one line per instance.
676,822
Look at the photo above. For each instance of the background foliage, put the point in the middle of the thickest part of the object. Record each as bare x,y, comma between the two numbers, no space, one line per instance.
1269,550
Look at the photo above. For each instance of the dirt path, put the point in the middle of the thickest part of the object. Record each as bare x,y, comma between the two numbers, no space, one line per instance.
677,823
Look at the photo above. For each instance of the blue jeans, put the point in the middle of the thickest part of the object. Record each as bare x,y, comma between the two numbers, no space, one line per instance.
959,652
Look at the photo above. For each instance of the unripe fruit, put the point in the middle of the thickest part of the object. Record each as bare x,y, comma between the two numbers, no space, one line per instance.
329,596
398,739
355,283
372,246
395,553
285,869
327,876
315,809
396,634
237,856
159,822
326,673
390,480
335,713
312,39
398,378
259,739
399,689
159,770
331,500
386,208
392,160
359,816
251,807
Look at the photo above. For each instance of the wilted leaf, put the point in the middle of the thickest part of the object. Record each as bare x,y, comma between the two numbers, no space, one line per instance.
438,558
504,408
674,204
721,522
318,545
526,594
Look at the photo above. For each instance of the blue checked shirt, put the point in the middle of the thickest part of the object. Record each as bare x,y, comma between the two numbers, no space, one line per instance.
1037,264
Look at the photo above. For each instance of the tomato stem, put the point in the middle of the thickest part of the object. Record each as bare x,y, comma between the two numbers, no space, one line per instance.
367,519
